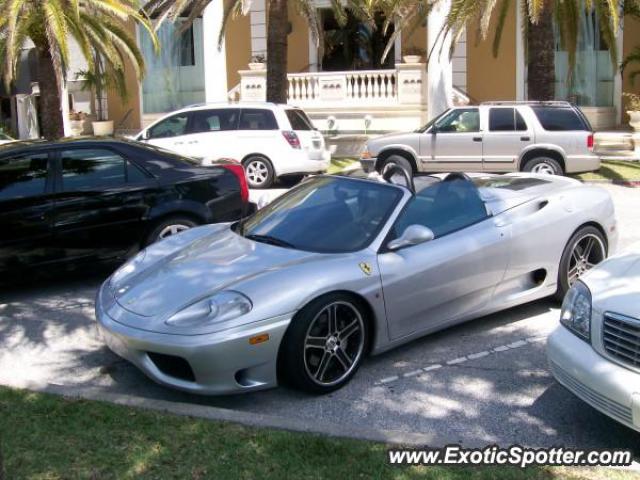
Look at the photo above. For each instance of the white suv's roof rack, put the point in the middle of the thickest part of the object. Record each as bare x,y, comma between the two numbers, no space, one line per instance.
549,103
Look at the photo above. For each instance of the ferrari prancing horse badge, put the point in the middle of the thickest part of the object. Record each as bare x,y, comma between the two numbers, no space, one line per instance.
366,268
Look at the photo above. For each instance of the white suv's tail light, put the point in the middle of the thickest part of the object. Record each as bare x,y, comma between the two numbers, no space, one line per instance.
590,142
292,138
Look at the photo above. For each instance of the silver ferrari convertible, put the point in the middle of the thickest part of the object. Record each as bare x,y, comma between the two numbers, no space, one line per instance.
340,268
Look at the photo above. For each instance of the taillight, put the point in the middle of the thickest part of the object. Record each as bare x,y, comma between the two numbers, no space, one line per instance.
590,142
238,171
292,138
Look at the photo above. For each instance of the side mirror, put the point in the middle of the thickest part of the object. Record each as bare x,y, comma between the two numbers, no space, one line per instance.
144,135
413,235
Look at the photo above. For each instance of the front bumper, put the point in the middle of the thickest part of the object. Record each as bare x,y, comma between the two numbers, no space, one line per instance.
606,386
217,364
368,164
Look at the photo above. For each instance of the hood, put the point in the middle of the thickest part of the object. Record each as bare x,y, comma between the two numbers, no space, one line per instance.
213,262
615,285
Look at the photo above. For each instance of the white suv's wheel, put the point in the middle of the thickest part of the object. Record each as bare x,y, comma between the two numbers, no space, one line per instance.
259,172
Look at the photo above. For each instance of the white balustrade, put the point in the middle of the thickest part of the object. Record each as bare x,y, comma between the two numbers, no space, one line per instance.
362,87
404,85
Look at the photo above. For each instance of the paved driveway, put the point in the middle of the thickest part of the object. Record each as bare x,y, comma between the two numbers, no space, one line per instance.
483,382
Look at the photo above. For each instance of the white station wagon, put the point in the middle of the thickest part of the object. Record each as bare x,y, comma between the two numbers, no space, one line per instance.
270,140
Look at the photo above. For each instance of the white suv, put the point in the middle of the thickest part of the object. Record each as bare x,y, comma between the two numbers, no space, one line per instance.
270,140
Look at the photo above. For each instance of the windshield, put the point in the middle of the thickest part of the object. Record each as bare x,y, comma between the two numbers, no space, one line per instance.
5,137
324,215
431,122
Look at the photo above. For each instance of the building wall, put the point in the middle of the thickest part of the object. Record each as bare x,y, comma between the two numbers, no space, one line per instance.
631,39
298,52
488,77
238,47
118,108
417,38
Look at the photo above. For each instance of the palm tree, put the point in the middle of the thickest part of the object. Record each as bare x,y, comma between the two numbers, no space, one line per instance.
277,25
99,28
539,31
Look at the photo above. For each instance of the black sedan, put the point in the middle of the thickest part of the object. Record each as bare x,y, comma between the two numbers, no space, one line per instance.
103,199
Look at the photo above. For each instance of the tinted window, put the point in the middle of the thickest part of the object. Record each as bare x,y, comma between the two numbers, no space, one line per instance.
23,176
326,215
215,120
257,119
444,207
171,127
506,120
134,174
299,120
559,119
91,169
521,125
460,120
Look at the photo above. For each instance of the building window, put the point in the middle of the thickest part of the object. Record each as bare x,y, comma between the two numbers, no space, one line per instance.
187,49
592,82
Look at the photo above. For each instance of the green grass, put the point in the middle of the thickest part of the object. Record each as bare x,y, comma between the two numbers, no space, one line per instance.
619,171
339,164
48,437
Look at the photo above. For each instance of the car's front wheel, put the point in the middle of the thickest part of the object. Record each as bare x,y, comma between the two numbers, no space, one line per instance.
397,160
259,172
586,248
325,344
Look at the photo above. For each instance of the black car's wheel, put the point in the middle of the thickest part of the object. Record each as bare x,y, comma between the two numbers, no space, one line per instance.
259,172
325,344
168,227
400,162
586,248
543,165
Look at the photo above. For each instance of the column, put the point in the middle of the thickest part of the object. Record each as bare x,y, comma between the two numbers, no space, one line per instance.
258,18
439,69
215,59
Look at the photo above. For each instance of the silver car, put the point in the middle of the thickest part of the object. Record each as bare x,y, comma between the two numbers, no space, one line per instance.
549,137
339,268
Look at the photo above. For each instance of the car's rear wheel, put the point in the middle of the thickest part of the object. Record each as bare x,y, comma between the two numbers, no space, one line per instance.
325,344
586,248
259,172
544,166
169,227
400,162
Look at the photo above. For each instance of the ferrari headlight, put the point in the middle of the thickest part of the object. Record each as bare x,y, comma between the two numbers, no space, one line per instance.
222,307
576,311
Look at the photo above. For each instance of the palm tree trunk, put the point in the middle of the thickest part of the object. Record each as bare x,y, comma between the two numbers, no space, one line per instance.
541,57
52,127
277,31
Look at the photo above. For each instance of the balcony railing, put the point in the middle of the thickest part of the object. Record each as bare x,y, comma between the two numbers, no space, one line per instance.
406,84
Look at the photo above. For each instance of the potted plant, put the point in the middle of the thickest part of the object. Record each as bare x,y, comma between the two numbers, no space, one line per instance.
257,62
412,54
77,120
98,80
633,110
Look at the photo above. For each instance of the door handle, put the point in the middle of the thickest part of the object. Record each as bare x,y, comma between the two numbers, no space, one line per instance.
179,143
477,139
525,139
192,142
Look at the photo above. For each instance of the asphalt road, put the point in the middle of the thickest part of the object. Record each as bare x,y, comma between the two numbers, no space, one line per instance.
483,382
